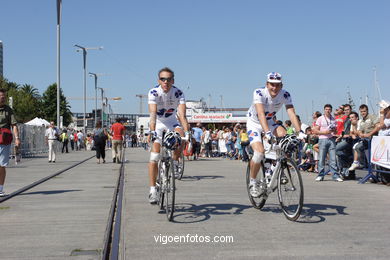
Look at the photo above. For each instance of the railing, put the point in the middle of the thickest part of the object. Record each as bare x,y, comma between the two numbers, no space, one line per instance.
33,141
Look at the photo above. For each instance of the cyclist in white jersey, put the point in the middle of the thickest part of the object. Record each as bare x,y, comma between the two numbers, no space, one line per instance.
266,103
166,107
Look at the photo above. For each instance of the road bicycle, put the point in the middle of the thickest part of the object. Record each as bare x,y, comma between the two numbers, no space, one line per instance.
279,172
165,184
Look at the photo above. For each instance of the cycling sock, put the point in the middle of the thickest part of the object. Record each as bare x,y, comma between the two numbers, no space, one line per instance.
253,181
1,188
152,189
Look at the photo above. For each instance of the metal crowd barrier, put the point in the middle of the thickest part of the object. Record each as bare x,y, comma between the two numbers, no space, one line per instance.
33,141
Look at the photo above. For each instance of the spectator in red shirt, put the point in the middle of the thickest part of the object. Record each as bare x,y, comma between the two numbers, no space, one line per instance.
117,133
340,119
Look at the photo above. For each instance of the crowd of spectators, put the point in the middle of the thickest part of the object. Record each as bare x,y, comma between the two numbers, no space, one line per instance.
337,141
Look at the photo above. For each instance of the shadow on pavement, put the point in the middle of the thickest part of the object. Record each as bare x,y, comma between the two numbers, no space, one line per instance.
49,192
311,213
191,213
202,177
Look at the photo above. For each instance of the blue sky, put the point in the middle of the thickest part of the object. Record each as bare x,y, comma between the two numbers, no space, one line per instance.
215,47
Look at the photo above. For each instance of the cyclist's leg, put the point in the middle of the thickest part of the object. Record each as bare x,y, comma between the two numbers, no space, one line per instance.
258,156
254,134
153,163
154,157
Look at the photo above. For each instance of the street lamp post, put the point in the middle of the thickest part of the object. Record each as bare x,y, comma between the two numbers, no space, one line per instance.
59,7
95,75
102,93
84,49
106,105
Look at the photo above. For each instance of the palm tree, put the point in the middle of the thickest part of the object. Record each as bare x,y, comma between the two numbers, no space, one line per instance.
30,90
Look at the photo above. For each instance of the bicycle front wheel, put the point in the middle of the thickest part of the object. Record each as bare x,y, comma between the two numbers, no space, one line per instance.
290,190
181,167
170,190
257,202
160,184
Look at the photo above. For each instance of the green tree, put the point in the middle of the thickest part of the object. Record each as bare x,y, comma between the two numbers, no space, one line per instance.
49,105
30,91
26,100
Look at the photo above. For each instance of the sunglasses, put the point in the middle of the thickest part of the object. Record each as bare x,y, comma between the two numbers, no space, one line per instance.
275,77
166,79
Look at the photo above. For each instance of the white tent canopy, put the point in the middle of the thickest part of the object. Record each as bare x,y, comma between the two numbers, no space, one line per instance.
38,122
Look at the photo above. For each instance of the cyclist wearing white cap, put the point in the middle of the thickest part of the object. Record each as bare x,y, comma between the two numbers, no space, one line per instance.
266,103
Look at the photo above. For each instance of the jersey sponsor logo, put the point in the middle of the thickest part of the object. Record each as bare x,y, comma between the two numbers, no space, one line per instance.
286,95
161,112
164,112
269,115
258,92
169,112
252,134
154,93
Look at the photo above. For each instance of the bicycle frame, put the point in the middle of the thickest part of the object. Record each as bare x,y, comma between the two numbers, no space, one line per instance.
280,158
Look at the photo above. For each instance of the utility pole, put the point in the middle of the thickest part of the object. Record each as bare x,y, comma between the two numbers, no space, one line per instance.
209,103
141,102
376,86
59,8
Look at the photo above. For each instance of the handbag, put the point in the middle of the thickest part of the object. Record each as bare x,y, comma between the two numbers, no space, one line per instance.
5,136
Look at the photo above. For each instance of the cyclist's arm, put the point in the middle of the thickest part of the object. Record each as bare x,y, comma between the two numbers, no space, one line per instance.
293,117
181,113
153,116
261,115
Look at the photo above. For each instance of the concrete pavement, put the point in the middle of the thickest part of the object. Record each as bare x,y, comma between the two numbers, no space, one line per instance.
339,221
63,218
66,217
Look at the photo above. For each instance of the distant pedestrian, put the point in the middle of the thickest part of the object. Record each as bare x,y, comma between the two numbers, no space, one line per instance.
76,140
7,120
117,132
197,135
99,139
134,141
80,140
51,139
64,140
71,138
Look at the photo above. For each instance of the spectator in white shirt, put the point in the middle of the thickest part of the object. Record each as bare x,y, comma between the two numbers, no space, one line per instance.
51,137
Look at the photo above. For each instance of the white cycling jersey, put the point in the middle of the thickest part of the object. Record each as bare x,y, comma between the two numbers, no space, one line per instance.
167,103
271,105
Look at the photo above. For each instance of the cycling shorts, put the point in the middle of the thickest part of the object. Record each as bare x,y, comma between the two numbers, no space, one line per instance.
255,130
169,125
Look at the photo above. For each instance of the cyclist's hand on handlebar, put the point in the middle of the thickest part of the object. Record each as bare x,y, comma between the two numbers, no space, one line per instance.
269,136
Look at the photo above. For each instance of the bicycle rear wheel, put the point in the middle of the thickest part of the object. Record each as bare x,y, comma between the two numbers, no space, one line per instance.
160,184
170,190
290,190
257,202
181,167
